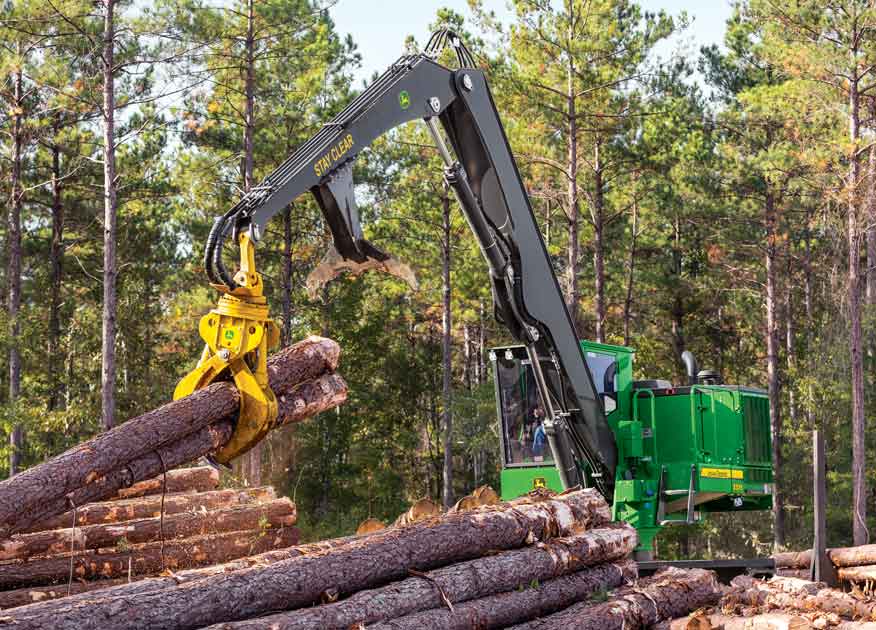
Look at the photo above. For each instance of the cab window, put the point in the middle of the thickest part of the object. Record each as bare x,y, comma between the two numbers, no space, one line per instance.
603,369
522,415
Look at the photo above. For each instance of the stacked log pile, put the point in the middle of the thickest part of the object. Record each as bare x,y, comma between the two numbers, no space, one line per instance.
191,524
782,603
491,566
302,377
853,564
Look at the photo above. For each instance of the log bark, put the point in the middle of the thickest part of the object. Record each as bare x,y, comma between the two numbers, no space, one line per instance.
139,436
667,594
145,507
861,555
192,447
457,583
857,574
767,621
362,563
145,559
278,513
144,584
34,594
754,593
304,400
502,610
197,479
853,556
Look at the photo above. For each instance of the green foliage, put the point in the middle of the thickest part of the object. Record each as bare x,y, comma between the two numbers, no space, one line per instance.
673,178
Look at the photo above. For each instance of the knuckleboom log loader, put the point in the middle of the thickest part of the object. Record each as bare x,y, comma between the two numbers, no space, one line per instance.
660,454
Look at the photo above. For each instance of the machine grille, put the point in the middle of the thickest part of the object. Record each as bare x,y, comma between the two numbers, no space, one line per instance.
756,420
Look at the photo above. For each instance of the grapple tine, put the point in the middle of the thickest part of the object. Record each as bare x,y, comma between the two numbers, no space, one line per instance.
333,264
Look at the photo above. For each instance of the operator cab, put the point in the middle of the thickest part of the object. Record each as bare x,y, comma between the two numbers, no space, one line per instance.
682,450
527,462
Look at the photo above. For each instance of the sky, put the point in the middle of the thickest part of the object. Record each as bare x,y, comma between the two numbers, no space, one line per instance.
379,27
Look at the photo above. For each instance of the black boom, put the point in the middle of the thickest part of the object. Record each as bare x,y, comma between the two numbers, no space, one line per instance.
491,193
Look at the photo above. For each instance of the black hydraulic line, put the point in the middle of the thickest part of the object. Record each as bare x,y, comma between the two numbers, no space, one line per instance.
455,177
212,241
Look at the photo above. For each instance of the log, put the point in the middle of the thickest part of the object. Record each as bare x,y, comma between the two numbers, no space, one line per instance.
197,479
422,509
862,555
277,513
669,593
767,621
130,509
145,559
321,394
755,593
793,559
364,562
483,495
534,600
857,574
457,583
145,584
149,465
34,594
98,457
802,574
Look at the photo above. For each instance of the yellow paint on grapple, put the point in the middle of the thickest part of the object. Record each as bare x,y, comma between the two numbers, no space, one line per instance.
238,334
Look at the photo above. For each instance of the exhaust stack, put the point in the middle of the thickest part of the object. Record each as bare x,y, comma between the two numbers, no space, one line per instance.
690,364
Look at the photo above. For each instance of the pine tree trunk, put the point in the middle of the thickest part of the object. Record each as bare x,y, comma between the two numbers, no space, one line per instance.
56,261
446,357
307,399
677,310
198,479
145,559
108,337
670,593
772,344
871,211
178,428
13,271
860,533
278,513
631,262
144,584
118,510
287,276
457,583
527,601
572,290
375,560
808,597
599,242
790,352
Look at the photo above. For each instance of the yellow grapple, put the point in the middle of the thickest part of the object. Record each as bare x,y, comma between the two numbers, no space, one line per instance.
237,335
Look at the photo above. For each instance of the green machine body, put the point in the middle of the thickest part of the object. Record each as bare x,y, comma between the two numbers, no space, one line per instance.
683,450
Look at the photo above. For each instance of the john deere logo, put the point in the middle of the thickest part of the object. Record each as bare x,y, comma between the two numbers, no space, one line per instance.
229,335
404,99
539,482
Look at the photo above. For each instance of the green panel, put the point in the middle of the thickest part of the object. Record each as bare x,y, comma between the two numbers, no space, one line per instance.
721,431
518,480
756,420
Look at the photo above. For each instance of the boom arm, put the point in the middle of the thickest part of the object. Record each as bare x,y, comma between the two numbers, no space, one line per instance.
491,193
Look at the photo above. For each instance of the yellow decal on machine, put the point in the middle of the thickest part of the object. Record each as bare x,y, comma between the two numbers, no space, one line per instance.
539,482
333,156
720,473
